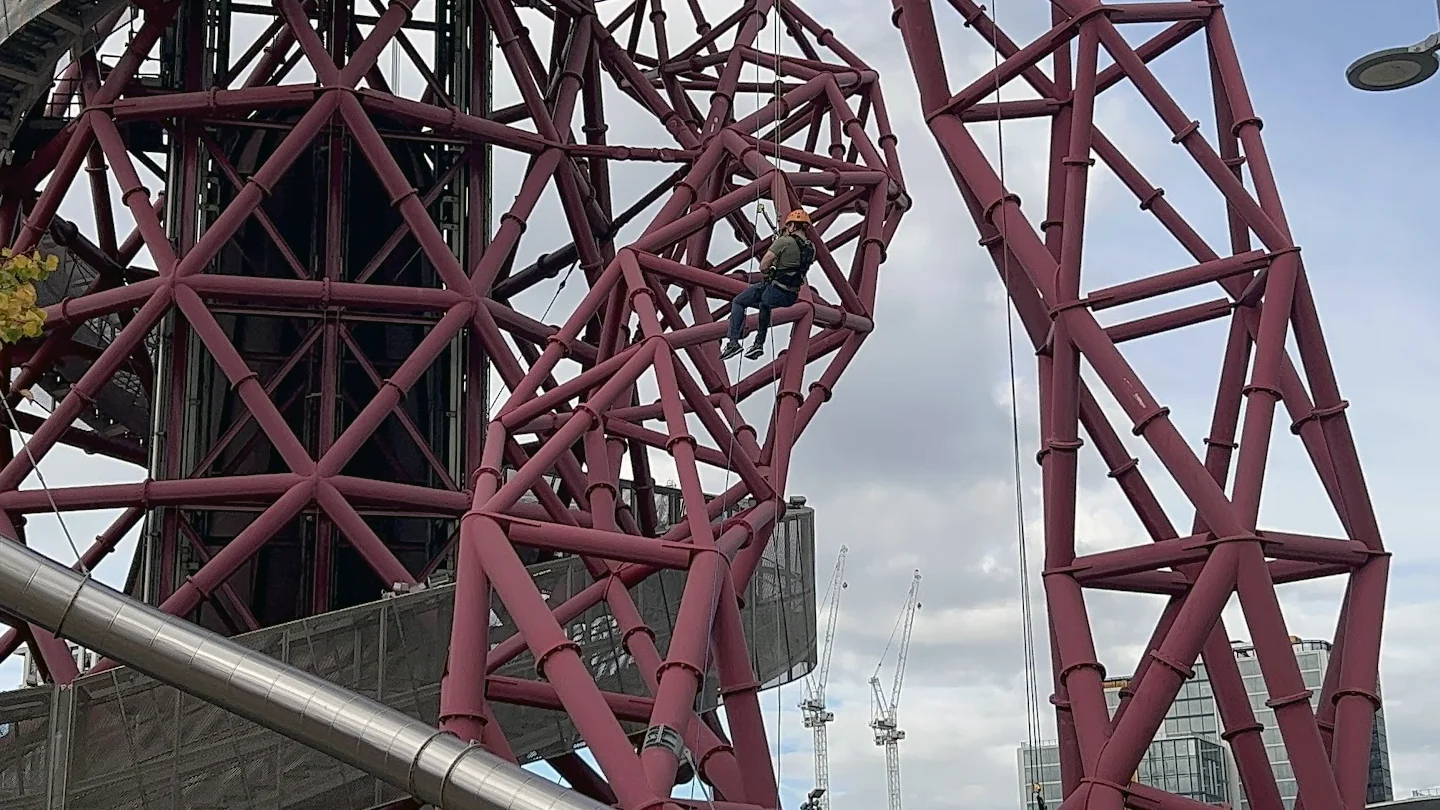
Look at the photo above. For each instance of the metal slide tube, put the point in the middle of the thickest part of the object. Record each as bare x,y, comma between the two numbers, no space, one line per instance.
433,766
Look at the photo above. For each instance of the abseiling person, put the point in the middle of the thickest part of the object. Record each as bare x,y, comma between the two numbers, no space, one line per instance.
784,266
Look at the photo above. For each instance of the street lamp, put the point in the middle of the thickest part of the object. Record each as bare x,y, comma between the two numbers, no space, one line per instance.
812,801
1396,68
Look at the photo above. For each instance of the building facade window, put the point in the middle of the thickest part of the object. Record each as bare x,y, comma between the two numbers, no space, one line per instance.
1190,759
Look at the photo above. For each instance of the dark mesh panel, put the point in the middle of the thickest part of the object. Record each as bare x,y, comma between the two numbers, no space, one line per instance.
26,748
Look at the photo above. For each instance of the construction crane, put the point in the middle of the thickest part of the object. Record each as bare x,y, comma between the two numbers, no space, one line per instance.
812,707
884,712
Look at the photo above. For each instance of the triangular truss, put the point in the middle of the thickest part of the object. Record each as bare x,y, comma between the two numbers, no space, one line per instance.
1266,298
631,376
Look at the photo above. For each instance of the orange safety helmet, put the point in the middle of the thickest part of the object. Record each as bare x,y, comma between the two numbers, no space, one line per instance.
798,215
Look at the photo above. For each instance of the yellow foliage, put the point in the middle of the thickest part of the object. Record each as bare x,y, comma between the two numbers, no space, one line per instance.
19,317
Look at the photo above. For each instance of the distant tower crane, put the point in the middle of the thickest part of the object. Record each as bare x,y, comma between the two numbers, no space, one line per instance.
884,714
812,707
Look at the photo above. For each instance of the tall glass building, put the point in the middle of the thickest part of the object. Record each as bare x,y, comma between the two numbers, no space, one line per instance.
1189,758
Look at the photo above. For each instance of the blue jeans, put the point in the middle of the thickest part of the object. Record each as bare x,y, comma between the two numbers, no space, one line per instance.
764,296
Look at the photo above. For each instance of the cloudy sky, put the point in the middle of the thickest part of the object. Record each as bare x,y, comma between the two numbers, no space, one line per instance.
910,465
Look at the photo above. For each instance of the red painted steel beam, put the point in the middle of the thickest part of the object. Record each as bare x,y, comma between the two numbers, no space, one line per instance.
309,429
1266,298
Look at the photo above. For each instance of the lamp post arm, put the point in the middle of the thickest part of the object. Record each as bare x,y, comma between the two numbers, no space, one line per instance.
1430,44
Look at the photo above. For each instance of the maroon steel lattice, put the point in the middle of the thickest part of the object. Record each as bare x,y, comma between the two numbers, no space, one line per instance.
1266,298
650,321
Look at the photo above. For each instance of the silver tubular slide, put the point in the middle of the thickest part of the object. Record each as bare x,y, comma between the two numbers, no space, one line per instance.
436,767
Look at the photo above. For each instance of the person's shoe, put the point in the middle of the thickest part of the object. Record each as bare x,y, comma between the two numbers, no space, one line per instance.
731,349
755,350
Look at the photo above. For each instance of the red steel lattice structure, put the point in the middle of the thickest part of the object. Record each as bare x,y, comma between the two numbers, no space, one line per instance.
650,320
1266,299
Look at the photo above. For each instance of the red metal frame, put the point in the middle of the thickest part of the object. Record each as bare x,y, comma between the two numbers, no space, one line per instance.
1266,298
651,320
